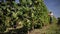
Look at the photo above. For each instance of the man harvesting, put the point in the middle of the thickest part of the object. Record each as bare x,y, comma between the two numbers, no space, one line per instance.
51,17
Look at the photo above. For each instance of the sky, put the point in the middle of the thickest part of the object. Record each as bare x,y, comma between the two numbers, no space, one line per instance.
54,6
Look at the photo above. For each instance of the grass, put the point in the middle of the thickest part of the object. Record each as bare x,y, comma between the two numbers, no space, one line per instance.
53,29
50,29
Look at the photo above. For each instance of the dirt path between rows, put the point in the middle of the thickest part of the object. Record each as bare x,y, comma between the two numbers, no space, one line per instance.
40,31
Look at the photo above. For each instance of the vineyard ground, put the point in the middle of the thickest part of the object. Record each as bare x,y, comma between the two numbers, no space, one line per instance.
49,29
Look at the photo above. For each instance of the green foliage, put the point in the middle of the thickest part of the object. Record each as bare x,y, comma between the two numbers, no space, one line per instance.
58,21
30,12
55,20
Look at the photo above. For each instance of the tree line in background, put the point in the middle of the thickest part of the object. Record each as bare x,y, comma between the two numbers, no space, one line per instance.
29,13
